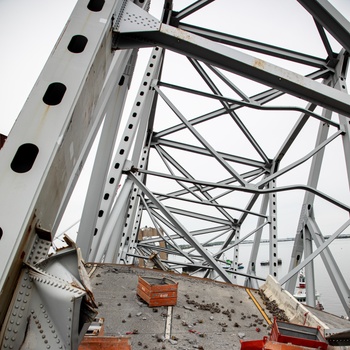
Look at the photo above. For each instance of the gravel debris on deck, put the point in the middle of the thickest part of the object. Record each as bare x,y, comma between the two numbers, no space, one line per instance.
208,314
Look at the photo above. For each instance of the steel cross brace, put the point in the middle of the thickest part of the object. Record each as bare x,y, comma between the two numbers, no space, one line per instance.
330,18
312,256
307,224
130,35
332,268
210,260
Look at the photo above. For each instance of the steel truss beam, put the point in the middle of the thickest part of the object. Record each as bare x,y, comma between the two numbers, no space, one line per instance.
331,19
207,54
237,62
40,164
214,150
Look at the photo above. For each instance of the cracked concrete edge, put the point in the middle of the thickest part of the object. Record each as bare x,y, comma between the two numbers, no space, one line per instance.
294,310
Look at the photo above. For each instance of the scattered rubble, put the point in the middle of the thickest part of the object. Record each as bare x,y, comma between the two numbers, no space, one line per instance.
272,306
213,320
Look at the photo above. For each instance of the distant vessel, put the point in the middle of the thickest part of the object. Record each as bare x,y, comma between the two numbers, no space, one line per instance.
229,262
267,262
300,291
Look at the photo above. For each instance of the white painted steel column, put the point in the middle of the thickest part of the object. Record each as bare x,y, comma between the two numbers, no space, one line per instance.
116,220
273,232
250,282
44,145
140,160
118,86
127,140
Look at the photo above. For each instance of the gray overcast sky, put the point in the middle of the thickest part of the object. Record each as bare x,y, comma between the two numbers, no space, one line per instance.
28,32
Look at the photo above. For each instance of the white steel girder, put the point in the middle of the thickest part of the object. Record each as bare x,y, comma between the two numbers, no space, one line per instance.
40,162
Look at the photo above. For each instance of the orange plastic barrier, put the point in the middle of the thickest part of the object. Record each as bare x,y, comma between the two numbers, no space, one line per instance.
288,336
105,343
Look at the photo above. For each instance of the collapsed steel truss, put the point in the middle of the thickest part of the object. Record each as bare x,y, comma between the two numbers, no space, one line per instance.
228,139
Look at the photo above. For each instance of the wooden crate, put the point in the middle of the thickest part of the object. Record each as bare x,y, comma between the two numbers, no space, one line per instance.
157,291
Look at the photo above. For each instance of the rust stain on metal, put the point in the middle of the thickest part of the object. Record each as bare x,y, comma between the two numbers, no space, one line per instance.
184,35
259,63
177,33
